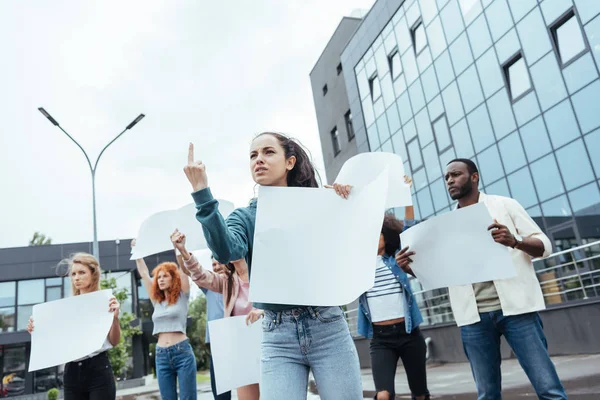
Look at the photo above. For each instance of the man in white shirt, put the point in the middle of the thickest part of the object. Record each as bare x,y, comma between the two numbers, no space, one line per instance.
485,311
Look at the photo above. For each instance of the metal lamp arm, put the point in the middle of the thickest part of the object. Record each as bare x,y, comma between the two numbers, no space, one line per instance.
78,145
105,147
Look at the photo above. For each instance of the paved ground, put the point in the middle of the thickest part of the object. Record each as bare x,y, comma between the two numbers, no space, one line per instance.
580,375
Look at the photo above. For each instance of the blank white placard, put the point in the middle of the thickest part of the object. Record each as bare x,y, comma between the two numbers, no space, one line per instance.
69,329
235,349
456,248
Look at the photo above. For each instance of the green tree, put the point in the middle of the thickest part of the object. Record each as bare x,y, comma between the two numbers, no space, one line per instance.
120,354
39,239
197,330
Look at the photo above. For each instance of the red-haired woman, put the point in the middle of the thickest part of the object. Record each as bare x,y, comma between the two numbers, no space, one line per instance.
169,291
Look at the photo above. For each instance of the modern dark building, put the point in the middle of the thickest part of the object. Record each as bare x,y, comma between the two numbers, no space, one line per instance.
511,84
29,275
334,117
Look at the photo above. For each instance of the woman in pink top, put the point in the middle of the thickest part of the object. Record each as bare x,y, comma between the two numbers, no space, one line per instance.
234,285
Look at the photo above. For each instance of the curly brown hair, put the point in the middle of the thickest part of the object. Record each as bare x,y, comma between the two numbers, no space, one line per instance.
173,292
391,230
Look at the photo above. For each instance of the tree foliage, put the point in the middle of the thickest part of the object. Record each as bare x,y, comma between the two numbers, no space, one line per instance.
197,330
120,354
39,239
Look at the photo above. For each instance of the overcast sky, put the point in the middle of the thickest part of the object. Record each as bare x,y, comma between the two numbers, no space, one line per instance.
214,73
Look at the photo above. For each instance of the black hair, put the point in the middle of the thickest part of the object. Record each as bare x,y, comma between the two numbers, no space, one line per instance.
471,167
391,230
304,173
230,272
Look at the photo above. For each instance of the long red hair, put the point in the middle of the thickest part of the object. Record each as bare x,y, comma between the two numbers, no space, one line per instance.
173,291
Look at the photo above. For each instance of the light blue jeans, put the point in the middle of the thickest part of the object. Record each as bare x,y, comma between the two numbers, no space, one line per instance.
173,363
303,339
525,335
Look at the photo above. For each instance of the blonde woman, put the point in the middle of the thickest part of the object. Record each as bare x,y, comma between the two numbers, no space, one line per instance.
90,377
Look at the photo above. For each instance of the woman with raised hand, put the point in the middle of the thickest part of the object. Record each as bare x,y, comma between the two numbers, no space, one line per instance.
90,377
296,338
388,314
235,287
169,292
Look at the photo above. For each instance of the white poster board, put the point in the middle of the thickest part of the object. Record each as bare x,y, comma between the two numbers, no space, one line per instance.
154,235
457,249
235,349
69,329
312,247
363,168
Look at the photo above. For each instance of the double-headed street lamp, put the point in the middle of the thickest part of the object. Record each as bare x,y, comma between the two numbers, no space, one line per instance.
92,169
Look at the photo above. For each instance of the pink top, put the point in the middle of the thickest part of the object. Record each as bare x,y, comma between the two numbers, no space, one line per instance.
242,306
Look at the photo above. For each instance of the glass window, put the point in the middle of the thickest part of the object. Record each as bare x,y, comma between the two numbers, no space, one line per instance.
375,88
7,319
461,54
389,97
424,127
428,10
418,37
553,9
436,107
534,36
416,96
508,46
368,111
440,195
574,165
53,293
430,85
399,146
441,3
568,38
409,129
592,31
432,162
501,114
479,36
499,19
442,134
47,379
404,107
561,124
470,9
67,289
31,291
547,81
558,207
335,141
526,108
419,179
373,137
499,188
381,61
490,165
7,293
522,188
383,129
520,8
402,35
395,65
470,89
15,359
592,141
587,9
409,63
535,139
393,118
490,73
349,126
23,314
414,154
363,83
446,157
378,107
53,281
517,77
546,177
512,152
399,85
585,197
425,204
587,107
443,69
387,147
479,124
454,110
462,140
452,21
581,72
436,39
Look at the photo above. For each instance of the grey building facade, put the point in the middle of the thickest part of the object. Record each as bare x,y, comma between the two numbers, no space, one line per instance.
334,117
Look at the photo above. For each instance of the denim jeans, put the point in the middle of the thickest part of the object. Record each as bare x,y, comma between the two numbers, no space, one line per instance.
303,339
213,383
173,363
90,379
524,333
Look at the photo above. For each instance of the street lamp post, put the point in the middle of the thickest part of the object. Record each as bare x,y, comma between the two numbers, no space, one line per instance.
95,250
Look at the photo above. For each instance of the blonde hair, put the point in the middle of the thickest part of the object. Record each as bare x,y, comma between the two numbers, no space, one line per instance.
91,263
